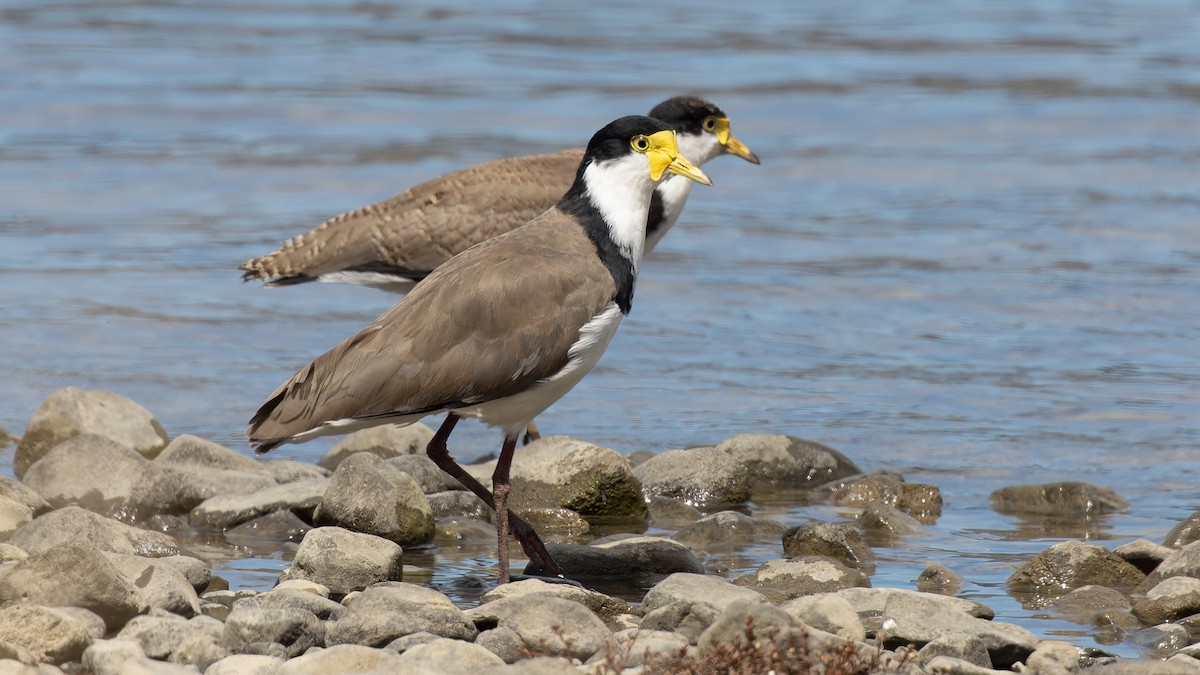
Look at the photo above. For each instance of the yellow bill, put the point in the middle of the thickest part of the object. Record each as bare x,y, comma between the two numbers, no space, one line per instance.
664,156
731,144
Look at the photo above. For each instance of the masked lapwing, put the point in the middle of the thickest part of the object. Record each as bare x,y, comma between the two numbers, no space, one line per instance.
500,331
394,244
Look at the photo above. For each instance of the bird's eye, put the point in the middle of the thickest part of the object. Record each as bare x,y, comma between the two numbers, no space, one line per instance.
709,123
640,143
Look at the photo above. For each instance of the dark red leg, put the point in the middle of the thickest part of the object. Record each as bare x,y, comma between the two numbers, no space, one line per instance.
500,488
439,452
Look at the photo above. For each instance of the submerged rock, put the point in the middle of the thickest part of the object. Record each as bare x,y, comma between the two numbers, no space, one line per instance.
68,412
1069,498
939,579
922,501
832,540
628,558
697,476
1067,565
1184,533
728,531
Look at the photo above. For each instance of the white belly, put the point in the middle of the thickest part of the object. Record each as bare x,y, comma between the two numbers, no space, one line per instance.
513,413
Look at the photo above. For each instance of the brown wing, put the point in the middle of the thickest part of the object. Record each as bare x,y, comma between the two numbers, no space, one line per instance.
422,228
485,325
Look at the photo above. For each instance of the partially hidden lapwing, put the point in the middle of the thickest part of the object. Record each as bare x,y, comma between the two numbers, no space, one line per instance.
500,331
395,243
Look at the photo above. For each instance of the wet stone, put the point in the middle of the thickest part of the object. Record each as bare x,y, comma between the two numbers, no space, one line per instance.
1184,562
783,464
554,520
273,527
1160,641
384,441
838,541
1171,599
922,501
345,561
727,531
562,472
938,578
1084,604
73,525
68,412
629,558
666,512
882,524
1184,533
459,504
1143,554
1067,565
781,580
696,476
1070,498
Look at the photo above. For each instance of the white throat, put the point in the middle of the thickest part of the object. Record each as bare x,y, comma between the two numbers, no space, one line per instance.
620,189
674,190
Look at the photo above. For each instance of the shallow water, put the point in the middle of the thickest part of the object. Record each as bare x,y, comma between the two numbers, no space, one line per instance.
969,254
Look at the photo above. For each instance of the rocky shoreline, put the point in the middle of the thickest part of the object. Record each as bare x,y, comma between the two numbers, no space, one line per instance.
109,527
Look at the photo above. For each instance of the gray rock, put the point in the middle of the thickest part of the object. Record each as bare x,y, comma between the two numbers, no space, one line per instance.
1184,533
345,561
459,504
69,412
831,540
1069,498
271,528
869,603
192,485
160,636
938,578
784,464
671,513
1171,599
504,642
125,657
193,569
72,525
291,471
963,647
644,558
223,511
245,664
632,647
407,642
705,589
948,665
604,606
687,618
1160,641
558,471
200,650
383,441
1185,562
1083,604
556,521
365,494
346,659
920,618
458,530
50,634
922,501
1067,565
547,625
1143,554
23,494
698,475
828,612
286,598
195,451
73,576
160,585
781,580
883,524
296,629
762,630
423,470
13,516
384,612
100,475
1144,667
8,552
1054,657
449,656
727,531
540,665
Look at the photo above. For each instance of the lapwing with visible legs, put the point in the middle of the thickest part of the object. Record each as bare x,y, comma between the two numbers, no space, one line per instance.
502,330
395,243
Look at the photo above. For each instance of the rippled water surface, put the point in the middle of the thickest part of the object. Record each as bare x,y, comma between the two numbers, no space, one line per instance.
969,254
